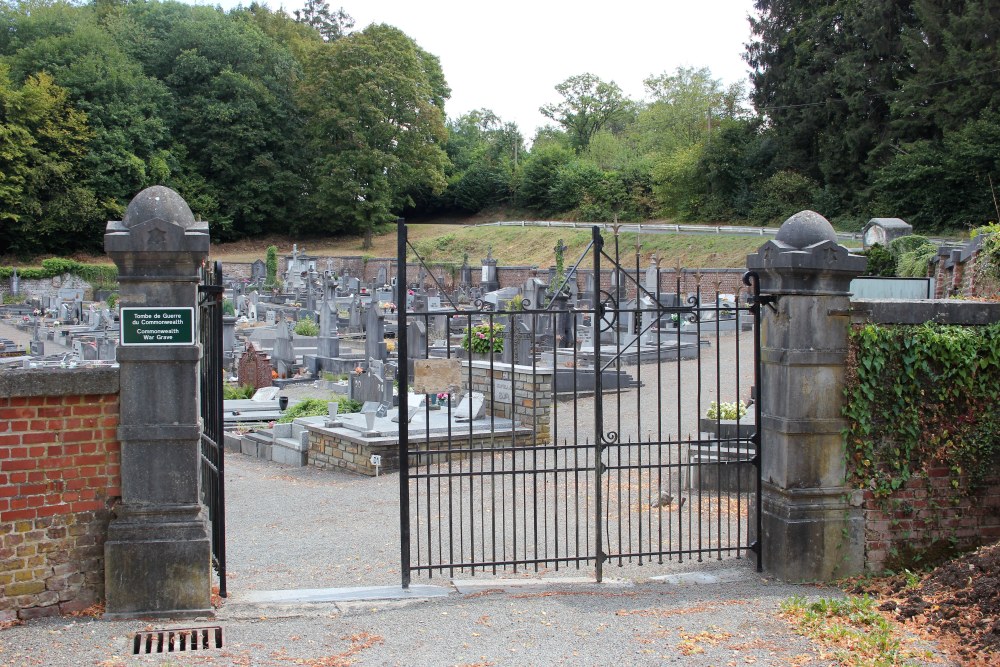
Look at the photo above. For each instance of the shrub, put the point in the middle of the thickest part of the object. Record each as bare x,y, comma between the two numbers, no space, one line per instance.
232,392
228,308
780,196
880,262
112,300
271,267
483,338
306,327
310,407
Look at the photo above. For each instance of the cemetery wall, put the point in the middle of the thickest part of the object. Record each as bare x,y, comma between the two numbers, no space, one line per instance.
47,288
59,477
237,270
929,518
711,281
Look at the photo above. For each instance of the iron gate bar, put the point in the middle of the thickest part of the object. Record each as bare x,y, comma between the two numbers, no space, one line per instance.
752,280
210,300
404,431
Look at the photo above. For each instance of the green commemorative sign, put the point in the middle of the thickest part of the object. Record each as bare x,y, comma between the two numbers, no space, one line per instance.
157,326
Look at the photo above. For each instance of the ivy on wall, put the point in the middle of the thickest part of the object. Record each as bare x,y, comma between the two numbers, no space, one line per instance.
95,274
920,396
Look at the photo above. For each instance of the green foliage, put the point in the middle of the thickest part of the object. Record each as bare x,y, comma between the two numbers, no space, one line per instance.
920,396
228,308
306,327
990,249
347,405
315,407
781,196
374,152
233,392
483,338
589,105
880,261
539,174
913,254
95,274
310,407
112,300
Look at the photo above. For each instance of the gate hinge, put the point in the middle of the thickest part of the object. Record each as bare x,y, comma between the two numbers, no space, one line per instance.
767,300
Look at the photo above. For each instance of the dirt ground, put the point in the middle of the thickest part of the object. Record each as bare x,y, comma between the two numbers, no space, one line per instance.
958,604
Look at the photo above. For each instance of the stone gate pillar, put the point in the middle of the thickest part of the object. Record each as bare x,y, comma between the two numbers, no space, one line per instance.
810,530
158,551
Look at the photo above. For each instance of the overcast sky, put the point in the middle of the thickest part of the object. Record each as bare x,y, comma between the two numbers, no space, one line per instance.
508,56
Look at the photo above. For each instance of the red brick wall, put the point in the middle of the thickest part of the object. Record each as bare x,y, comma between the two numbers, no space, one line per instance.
928,515
59,476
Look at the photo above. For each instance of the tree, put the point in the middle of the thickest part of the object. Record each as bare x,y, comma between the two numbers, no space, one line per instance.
234,112
822,73
330,24
483,151
377,128
539,174
43,205
588,105
684,107
952,48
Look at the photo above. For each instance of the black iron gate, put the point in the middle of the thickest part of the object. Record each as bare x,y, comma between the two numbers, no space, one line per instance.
603,434
210,377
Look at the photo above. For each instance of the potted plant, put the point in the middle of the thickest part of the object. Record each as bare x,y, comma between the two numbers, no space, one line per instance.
482,340
727,420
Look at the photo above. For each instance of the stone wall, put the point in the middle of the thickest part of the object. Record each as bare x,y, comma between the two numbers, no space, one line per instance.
532,400
47,288
687,281
329,450
59,477
928,519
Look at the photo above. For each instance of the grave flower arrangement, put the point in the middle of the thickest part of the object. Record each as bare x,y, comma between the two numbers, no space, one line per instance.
483,338
734,410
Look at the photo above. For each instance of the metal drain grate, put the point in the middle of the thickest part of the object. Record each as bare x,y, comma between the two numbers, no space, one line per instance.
176,641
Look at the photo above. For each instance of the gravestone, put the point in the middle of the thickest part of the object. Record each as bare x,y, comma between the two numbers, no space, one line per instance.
283,355
465,273
383,277
270,318
489,281
15,283
328,345
652,280
471,407
258,271
253,368
516,342
416,339
375,347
